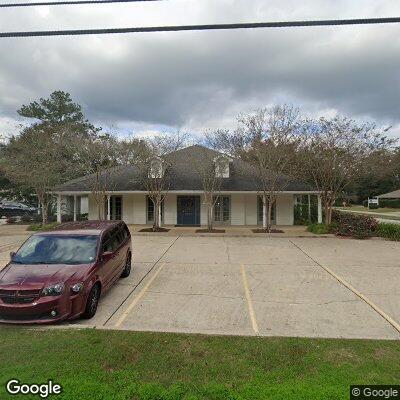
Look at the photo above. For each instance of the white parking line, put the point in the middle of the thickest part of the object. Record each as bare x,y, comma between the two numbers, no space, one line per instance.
137,298
382,313
362,297
249,301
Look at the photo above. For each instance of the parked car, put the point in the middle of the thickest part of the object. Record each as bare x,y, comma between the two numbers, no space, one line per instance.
14,209
61,274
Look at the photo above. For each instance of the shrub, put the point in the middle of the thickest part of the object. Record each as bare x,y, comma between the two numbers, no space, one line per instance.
83,217
39,227
37,218
12,220
388,231
319,229
390,203
357,226
67,218
26,218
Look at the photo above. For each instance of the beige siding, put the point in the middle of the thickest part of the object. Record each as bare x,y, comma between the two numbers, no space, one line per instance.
84,204
243,209
250,209
170,209
238,207
128,208
139,209
93,212
284,209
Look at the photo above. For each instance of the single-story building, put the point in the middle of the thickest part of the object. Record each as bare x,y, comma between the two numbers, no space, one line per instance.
391,195
239,201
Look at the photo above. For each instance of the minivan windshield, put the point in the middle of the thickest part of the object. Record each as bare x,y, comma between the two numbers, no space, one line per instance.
57,249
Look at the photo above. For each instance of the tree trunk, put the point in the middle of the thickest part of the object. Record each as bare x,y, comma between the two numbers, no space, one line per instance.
156,219
269,214
264,212
45,218
100,206
42,197
328,211
209,217
159,214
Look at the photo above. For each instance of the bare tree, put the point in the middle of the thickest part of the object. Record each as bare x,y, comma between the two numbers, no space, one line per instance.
102,156
273,137
336,152
267,140
155,170
211,169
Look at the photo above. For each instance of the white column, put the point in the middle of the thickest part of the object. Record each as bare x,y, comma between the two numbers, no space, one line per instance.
319,210
59,208
264,212
74,207
108,207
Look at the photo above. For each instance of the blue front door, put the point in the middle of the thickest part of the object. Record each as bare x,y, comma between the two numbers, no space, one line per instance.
188,210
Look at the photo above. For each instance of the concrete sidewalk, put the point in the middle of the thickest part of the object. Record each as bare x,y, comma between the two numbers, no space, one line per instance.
230,231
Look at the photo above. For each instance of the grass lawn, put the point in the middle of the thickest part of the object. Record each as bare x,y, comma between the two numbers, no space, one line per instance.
384,213
95,364
383,210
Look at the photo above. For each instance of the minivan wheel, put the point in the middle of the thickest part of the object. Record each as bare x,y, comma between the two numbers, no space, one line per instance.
128,265
92,302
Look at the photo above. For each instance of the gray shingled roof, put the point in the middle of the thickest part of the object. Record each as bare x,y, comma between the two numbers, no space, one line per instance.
183,175
391,195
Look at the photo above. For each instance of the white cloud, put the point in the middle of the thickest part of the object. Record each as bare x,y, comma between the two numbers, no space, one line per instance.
199,80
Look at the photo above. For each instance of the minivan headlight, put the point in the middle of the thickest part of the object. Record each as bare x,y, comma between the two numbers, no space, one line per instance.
53,290
77,287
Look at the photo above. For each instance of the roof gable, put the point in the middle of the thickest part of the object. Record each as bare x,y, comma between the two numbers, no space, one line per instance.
183,174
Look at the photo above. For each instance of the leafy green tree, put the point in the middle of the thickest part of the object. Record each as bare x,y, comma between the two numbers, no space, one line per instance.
58,109
51,151
34,158
380,175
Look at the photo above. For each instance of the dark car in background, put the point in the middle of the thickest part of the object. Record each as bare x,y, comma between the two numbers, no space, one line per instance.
15,209
61,274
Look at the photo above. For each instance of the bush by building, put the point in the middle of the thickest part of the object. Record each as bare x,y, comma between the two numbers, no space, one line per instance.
319,229
388,231
351,225
389,203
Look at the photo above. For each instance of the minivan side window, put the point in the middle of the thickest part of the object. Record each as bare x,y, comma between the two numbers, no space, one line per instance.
121,237
126,231
114,239
106,243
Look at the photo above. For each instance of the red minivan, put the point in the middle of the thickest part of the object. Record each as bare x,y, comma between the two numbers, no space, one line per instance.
61,274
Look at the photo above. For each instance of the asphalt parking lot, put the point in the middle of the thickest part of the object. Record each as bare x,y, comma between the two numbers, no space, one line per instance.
311,287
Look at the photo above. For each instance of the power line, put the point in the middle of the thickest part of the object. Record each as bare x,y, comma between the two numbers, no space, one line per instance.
254,25
63,3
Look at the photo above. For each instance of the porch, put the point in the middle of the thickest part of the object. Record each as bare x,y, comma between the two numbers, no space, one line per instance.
232,209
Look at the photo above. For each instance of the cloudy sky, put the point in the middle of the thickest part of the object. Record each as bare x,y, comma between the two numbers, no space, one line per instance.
143,83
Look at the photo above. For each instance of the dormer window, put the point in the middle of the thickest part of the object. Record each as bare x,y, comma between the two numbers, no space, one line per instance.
156,168
222,167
